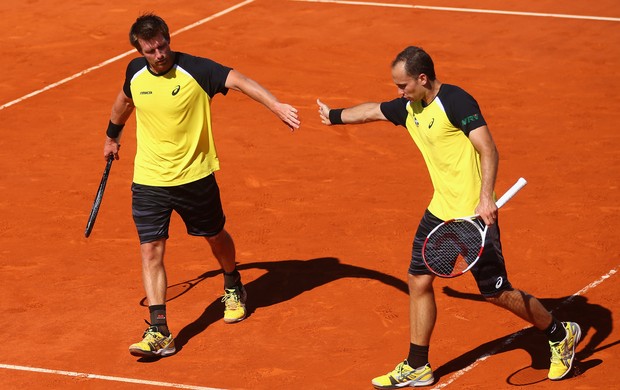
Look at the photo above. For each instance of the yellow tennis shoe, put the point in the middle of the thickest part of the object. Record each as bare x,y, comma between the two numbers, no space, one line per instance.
153,344
234,303
404,375
563,352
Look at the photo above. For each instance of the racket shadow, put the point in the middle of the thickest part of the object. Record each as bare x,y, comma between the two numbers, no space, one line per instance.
592,318
177,290
283,281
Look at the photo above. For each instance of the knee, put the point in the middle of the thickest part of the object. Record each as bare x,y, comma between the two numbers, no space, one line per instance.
153,252
219,239
420,284
501,298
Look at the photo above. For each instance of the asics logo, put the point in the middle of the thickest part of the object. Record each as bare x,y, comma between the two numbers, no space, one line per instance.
176,90
499,282
431,124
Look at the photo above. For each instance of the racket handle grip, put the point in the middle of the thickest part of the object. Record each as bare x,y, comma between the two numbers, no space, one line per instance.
511,192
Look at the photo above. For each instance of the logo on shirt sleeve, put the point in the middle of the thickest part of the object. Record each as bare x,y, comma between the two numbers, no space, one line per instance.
469,119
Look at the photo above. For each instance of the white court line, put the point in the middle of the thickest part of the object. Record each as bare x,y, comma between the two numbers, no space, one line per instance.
448,382
105,377
118,57
510,339
469,10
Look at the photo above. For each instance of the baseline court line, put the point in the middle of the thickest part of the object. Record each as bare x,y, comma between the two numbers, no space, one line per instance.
105,377
118,57
469,10
510,339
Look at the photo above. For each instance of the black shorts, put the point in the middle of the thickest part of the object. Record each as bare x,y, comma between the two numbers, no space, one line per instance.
198,203
490,270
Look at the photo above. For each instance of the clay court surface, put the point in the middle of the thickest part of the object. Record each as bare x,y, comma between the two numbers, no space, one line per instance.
322,218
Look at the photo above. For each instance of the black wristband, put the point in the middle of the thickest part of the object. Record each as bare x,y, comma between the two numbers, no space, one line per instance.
335,116
114,130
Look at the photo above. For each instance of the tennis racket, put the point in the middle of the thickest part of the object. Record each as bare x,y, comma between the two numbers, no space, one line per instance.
99,196
454,246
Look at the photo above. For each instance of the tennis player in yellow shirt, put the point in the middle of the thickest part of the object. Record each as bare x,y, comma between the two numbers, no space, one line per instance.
448,128
175,161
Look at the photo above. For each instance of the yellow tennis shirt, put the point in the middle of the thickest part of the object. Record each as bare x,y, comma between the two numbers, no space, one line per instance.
174,135
440,130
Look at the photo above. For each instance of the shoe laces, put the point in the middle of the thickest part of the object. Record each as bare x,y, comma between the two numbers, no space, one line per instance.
401,370
151,330
558,352
231,298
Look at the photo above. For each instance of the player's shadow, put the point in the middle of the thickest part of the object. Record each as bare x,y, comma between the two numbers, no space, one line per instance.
591,318
283,281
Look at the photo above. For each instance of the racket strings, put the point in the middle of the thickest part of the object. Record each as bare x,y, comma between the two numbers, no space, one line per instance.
453,247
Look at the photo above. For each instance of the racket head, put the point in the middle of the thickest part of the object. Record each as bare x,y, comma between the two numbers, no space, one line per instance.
454,246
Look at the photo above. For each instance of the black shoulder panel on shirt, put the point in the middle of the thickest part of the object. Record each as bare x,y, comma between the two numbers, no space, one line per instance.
210,75
395,111
461,108
132,68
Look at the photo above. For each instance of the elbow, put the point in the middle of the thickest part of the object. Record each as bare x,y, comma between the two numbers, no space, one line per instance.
369,117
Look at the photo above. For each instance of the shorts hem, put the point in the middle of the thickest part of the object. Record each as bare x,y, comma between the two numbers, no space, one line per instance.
153,239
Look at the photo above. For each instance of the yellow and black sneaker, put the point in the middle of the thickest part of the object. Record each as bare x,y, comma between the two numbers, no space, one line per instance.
234,302
153,344
563,352
404,375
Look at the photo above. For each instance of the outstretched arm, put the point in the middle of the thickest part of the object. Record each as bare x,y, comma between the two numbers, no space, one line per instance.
362,113
287,113
121,110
